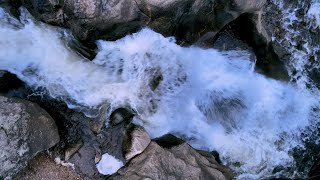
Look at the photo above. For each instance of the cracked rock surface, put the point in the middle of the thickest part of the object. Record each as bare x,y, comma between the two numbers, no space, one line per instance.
25,130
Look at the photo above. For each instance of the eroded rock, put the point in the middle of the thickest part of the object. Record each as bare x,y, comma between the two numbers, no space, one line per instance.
177,162
25,130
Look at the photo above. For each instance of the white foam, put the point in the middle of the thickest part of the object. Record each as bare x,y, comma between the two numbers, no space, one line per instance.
108,164
314,12
212,99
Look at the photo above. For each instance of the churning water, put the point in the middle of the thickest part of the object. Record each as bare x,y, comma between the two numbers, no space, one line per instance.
214,100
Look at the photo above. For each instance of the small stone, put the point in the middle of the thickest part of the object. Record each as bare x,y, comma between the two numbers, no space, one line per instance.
120,115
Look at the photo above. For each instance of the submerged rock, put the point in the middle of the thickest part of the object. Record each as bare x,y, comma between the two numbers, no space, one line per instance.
179,161
25,130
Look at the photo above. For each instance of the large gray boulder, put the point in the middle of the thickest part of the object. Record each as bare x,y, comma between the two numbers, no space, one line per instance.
188,20
25,130
179,161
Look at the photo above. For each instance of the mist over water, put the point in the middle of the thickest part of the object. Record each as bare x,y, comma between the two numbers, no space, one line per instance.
212,99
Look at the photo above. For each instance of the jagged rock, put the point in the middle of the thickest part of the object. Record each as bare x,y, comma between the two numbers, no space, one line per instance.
136,140
188,20
25,130
177,162
111,140
84,162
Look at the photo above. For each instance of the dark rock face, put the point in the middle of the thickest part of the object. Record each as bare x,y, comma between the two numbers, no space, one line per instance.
9,82
247,33
25,130
188,20
120,115
177,162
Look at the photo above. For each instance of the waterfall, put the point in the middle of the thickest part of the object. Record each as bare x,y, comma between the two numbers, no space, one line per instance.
212,99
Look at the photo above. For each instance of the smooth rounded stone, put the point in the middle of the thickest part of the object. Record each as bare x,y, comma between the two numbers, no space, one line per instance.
136,140
188,20
178,162
25,130
120,115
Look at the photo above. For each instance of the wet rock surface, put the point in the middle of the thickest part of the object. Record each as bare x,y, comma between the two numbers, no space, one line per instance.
177,162
9,81
25,130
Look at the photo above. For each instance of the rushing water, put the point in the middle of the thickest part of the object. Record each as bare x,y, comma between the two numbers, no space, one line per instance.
214,100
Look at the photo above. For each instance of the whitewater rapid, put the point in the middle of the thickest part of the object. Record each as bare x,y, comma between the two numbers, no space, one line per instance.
212,99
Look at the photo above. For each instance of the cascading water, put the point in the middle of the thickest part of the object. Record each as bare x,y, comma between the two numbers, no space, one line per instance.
298,39
213,100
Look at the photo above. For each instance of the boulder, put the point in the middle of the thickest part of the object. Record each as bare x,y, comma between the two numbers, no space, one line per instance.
178,161
136,140
188,20
120,115
25,130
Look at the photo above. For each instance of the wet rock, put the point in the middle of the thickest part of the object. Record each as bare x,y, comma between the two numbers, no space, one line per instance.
111,139
315,171
12,6
9,82
136,140
247,33
120,115
168,141
188,20
177,162
25,130
293,37
98,122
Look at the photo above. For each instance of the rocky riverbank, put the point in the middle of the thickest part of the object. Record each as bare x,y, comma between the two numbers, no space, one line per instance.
42,137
